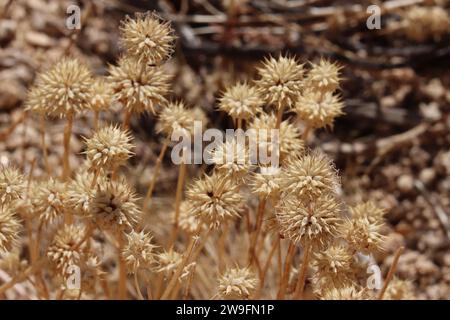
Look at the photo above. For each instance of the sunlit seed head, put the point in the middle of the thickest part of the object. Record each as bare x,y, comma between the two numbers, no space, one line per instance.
362,235
102,95
139,88
12,185
368,210
238,283
10,228
346,293
139,251
48,200
65,89
241,101
231,157
147,38
324,76
176,118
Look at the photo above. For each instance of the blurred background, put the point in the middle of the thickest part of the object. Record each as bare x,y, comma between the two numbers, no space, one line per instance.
391,146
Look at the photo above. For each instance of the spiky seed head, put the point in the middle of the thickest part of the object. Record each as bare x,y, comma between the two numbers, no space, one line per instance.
289,141
281,81
109,148
64,89
332,268
346,293
231,157
238,283
369,210
176,118
10,229
168,261
12,185
309,176
139,88
80,192
49,200
67,249
266,182
215,199
139,251
187,221
101,96
147,38
312,221
114,206
422,23
241,101
324,76
399,290
362,235
318,109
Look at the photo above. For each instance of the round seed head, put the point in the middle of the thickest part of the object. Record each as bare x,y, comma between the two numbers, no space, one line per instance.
238,283
266,183
48,200
318,109
231,157
109,148
64,89
187,221
114,206
215,199
10,229
309,176
138,251
175,117
324,76
399,290
362,235
168,261
346,293
102,95
368,210
139,87
314,222
280,81
66,250
147,38
12,185
422,23
241,101
289,141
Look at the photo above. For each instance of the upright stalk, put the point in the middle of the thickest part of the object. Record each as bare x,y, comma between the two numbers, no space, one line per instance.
148,196
287,268
44,145
299,288
391,272
180,184
122,288
67,135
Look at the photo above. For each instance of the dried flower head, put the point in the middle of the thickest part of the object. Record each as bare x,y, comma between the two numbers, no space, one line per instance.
114,206
102,95
266,183
241,101
346,293
280,81
309,176
362,235
138,251
67,249
109,148
368,210
12,185
187,221
314,222
215,199
318,109
168,261
48,200
139,88
80,192
422,23
289,142
238,283
231,157
324,76
147,38
332,268
399,290
12,263
175,117
10,228
63,90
